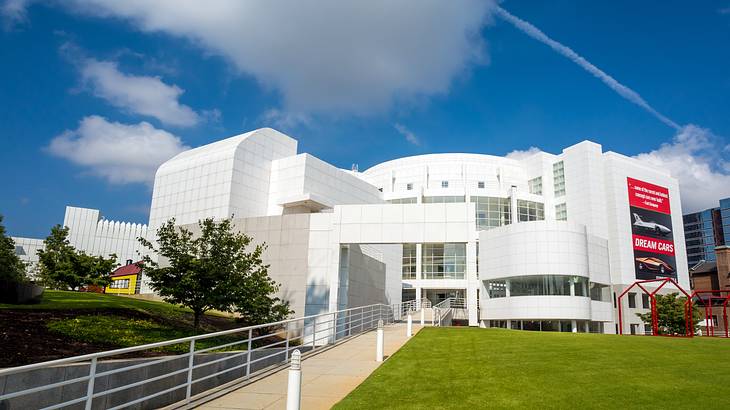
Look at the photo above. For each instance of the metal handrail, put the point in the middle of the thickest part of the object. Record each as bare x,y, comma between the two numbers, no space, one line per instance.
443,308
311,332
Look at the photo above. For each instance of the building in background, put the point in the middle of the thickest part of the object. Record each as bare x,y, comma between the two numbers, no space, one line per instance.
705,230
538,242
128,280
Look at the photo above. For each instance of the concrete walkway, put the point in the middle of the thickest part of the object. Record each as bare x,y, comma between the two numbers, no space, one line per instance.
327,377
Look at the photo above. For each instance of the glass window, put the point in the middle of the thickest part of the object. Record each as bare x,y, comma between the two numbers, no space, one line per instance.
480,184
535,186
444,260
498,323
402,201
561,212
647,329
444,184
533,325
442,199
497,289
645,301
634,328
582,326
566,326
491,212
409,186
530,211
517,325
632,300
559,179
550,325
596,327
409,261
538,285
580,286
600,292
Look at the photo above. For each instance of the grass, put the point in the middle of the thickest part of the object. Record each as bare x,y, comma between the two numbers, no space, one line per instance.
460,368
119,321
125,332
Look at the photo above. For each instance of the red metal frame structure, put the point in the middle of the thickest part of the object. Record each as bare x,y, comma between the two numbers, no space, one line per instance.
654,318
708,309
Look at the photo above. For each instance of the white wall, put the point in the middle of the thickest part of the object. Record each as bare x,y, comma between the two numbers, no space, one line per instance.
89,232
218,180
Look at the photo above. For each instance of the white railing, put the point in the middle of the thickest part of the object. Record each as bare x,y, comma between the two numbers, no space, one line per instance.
244,353
443,309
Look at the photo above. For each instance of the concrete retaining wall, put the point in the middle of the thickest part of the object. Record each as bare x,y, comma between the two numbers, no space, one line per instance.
40,377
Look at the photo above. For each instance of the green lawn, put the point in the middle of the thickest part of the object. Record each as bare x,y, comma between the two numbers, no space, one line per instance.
485,368
108,321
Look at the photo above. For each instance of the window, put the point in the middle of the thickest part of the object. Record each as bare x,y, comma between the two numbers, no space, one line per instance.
491,212
444,260
634,328
645,301
530,211
535,186
559,179
714,320
647,329
580,286
480,184
599,292
402,201
566,326
632,300
409,186
119,284
561,212
442,199
537,285
409,261
498,323
497,289
444,184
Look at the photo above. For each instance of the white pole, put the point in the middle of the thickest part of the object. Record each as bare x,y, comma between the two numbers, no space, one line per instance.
423,316
409,328
294,391
379,342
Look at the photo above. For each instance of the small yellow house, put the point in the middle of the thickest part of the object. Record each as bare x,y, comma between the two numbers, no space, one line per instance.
125,280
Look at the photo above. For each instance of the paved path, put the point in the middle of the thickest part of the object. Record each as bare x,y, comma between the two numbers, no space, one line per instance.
327,377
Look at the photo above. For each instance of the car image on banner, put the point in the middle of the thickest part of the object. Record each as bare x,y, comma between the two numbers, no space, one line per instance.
651,230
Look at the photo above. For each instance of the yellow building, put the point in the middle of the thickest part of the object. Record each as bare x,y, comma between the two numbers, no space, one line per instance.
125,280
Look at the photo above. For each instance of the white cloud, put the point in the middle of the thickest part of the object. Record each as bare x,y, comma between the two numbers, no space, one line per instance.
698,159
324,56
565,51
522,154
283,120
144,95
408,134
13,12
119,153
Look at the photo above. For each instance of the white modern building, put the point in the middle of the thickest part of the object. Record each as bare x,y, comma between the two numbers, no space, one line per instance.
540,242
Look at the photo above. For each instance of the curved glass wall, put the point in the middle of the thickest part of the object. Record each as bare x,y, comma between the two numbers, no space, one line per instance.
442,199
402,201
538,285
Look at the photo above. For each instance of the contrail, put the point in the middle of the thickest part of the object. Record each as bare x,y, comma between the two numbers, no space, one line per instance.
621,89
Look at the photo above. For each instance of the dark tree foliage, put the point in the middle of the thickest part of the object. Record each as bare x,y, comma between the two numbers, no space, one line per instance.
213,270
61,266
12,269
670,314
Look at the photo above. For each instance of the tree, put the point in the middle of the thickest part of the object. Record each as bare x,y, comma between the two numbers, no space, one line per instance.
670,314
212,270
12,269
61,266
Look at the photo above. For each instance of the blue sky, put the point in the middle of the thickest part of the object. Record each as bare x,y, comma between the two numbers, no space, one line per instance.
94,94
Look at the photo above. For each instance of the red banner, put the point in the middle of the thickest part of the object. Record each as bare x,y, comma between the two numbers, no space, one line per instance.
653,245
648,196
